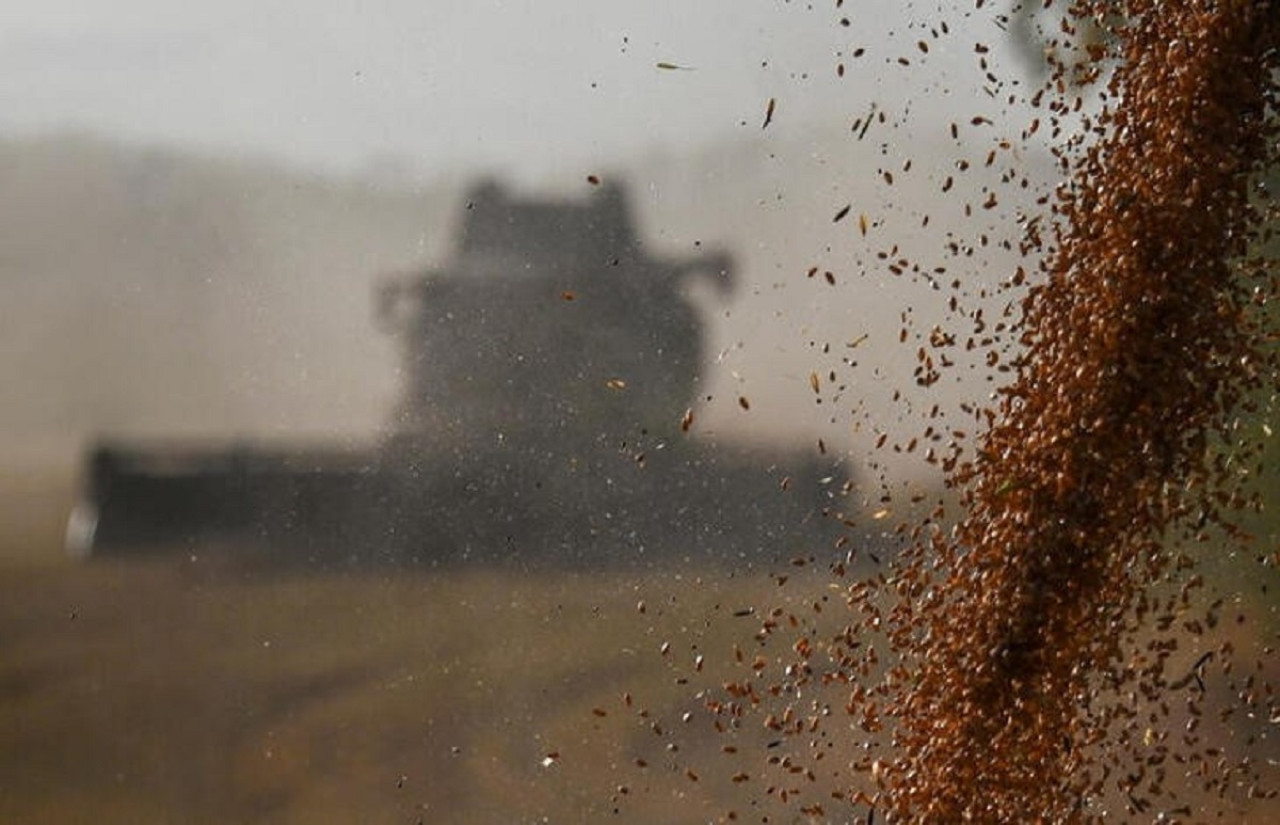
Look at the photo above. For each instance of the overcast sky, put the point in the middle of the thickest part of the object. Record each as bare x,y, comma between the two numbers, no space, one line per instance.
547,91
520,85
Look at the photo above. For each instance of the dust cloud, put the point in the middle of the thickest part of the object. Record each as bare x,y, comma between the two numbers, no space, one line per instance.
159,293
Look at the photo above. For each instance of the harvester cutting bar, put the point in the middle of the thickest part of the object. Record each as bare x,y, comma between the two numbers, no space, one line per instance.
159,496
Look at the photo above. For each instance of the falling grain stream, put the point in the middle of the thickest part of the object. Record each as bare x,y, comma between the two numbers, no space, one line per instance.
1019,666
1137,351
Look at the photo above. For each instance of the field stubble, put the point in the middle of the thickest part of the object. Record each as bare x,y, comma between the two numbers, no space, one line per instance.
185,688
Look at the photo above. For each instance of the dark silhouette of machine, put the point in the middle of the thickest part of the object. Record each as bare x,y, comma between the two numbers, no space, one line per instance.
546,371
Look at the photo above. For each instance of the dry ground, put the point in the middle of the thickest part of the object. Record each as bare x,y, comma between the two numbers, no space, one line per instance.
189,689
148,692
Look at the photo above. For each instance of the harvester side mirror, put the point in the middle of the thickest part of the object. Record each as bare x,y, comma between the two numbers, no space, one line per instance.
716,268
395,301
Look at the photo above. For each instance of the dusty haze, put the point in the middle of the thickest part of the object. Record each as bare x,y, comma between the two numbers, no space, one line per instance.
157,293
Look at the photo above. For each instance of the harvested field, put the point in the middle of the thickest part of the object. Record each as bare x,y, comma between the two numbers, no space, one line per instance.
186,688
190,690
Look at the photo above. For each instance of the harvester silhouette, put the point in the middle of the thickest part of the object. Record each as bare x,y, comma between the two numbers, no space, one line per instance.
546,370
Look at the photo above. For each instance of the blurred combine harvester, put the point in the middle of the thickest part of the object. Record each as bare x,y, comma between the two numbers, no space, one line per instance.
546,372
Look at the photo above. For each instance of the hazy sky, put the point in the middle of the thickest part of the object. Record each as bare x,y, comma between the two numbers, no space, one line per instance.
515,85
548,91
